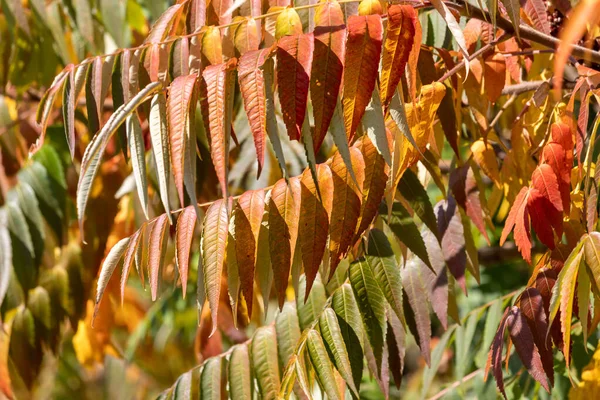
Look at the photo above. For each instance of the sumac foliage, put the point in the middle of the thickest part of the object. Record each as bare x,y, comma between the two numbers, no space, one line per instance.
325,176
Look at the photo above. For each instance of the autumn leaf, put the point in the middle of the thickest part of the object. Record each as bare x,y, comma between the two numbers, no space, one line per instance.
363,49
523,341
518,218
178,112
463,185
416,294
347,198
327,66
374,183
485,157
545,205
252,87
494,75
314,220
294,63
213,245
186,224
157,247
396,48
248,215
284,214
217,111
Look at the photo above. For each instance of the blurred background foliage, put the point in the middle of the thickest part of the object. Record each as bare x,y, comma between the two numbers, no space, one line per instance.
48,348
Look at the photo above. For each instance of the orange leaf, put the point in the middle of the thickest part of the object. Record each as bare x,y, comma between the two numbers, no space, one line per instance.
252,87
314,220
186,223
327,67
558,153
212,46
216,12
294,61
247,218
363,48
413,59
218,87
213,244
396,49
347,199
157,247
178,111
375,179
518,218
284,212
161,27
494,73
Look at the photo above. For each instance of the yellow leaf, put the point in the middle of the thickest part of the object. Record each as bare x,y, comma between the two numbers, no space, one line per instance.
485,156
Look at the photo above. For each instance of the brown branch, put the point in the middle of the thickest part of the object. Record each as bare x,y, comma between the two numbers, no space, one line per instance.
523,87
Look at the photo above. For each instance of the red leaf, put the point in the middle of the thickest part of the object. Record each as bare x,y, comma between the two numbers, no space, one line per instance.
252,87
314,220
284,212
518,218
294,62
347,198
545,205
217,109
524,344
129,258
327,66
558,152
532,307
197,14
248,216
178,110
396,48
363,49
186,223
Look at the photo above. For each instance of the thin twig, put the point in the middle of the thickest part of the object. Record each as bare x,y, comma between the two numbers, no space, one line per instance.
473,56
523,87
456,384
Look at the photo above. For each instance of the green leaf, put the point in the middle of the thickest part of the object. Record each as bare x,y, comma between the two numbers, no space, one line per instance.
17,225
288,333
113,17
406,231
233,273
351,328
159,137
583,300
371,304
272,130
592,256
563,294
212,385
264,361
119,99
463,341
5,255
338,133
332,336
48,157
309,309
322,365
186,386
513,9
436,358
374,125
381,259
494,314
411,189
240,379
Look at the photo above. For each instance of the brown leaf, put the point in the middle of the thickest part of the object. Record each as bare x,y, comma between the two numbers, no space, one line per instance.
347,198
314,220
284,213
248,215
